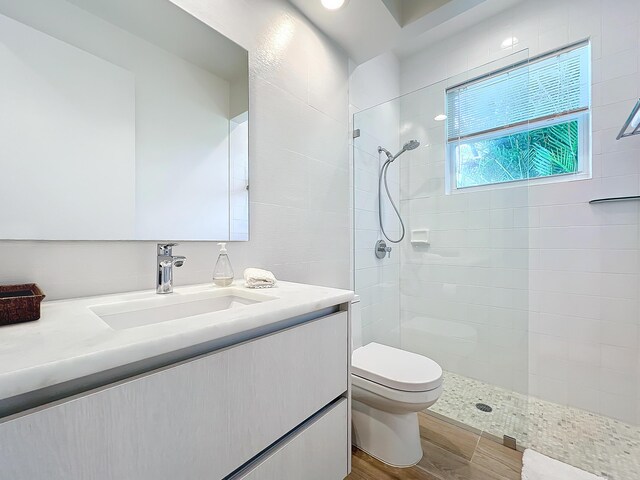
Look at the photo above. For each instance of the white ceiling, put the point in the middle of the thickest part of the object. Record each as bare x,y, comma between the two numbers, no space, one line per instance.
367,28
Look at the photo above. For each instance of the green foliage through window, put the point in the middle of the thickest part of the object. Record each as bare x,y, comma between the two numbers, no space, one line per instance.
541,152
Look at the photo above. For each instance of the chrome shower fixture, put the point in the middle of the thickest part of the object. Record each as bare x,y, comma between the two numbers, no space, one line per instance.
410,145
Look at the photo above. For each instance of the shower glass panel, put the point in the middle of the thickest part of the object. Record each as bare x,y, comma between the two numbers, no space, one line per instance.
455,289
377,280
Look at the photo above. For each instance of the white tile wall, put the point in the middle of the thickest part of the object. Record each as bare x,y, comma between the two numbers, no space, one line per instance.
376,281
531,288
298,166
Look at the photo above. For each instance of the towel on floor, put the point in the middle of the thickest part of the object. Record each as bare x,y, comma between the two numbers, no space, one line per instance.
540,467
258,278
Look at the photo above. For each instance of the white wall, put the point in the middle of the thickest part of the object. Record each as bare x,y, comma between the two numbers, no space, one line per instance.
299,171
582,305
377,281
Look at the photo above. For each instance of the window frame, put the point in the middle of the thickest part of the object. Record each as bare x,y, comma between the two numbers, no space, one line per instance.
584,170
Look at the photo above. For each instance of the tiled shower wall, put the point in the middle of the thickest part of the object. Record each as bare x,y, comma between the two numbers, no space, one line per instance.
533,269
377,281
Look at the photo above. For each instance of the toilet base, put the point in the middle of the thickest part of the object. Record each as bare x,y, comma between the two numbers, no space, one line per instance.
392,438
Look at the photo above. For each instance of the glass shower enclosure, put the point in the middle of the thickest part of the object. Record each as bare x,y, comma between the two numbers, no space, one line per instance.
455,289
523,305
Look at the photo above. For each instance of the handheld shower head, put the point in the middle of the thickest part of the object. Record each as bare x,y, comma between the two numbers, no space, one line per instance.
410,145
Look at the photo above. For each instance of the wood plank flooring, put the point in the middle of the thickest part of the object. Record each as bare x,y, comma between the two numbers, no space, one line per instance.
450,453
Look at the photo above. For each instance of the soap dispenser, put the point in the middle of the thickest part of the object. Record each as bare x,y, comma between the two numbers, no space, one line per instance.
222,272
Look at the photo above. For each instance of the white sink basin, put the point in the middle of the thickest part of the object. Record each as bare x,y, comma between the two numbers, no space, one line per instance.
164,308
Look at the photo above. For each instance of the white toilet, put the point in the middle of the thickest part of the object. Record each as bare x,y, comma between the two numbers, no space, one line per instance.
389,387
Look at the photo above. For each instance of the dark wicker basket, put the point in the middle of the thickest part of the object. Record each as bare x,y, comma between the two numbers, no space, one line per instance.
19,303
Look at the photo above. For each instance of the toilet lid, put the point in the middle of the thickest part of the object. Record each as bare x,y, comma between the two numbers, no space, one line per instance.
396,368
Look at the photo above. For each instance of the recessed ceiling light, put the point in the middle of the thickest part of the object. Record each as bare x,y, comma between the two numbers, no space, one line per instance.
333,4
439,118
509,42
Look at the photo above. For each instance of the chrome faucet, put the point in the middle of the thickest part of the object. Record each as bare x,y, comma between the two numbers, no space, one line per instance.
166,262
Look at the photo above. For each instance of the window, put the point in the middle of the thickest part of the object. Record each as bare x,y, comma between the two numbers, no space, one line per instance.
528,121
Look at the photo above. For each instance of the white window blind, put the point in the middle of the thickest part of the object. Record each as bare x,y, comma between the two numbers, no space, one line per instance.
546,87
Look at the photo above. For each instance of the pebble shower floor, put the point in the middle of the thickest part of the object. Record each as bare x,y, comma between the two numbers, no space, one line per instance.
592,442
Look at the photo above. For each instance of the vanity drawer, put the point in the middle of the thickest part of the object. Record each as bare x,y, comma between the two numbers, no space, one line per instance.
200,419
317,452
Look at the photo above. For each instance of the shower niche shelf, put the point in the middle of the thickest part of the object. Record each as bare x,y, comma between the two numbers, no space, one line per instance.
420,237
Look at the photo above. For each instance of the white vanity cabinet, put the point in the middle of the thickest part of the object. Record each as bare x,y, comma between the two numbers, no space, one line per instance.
274,407
316,452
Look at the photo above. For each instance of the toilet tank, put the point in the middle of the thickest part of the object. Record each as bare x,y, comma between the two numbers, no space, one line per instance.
356,323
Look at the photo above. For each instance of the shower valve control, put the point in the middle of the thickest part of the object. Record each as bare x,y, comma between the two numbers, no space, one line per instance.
382,250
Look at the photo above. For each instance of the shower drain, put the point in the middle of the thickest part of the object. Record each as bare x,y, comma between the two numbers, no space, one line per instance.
483,407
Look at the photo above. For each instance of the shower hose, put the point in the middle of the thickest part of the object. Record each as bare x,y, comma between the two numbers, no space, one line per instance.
383,179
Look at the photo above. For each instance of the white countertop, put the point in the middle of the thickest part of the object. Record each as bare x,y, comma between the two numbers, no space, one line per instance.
70,341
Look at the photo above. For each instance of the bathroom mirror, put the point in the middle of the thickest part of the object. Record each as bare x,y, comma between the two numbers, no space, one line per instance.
120,120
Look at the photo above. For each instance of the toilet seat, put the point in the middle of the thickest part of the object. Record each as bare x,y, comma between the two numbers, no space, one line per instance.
391,394
395,370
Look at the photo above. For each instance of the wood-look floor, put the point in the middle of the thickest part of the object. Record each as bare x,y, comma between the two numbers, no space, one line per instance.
450,453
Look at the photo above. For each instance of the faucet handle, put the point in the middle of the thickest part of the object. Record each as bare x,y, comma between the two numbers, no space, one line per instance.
165,248
382,250
178,260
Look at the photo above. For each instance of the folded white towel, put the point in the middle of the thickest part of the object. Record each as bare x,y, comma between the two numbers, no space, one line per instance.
540,467
258,278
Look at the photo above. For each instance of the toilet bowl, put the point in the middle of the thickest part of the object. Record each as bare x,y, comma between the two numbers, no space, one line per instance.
389,387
